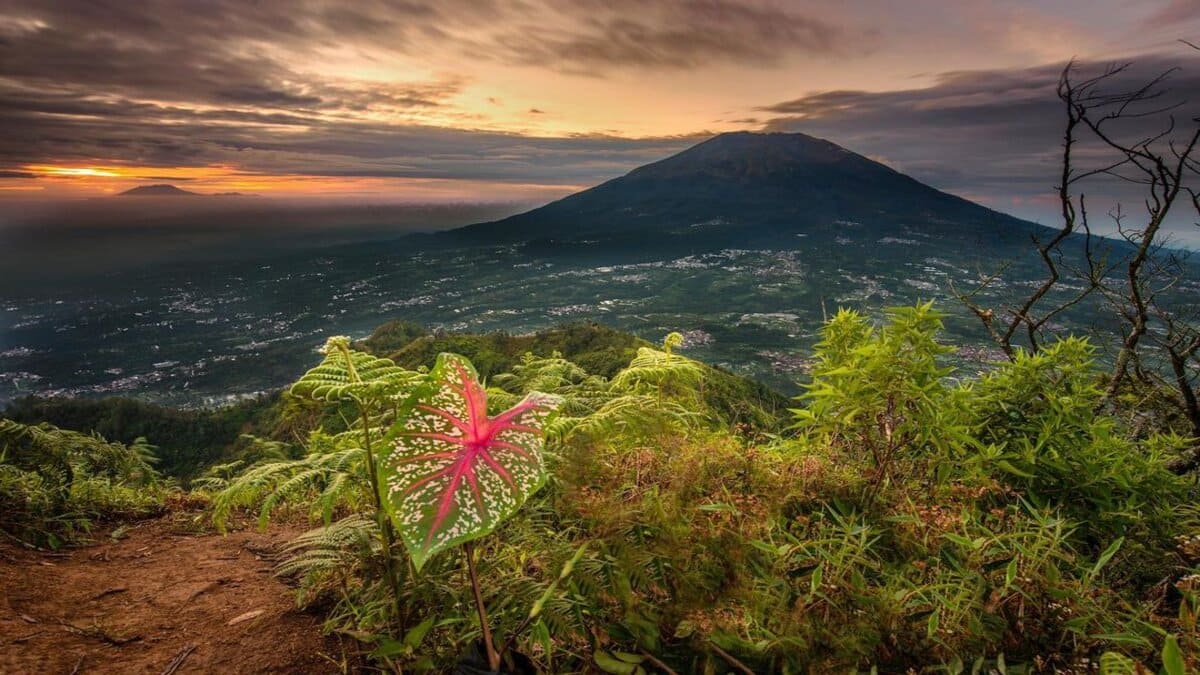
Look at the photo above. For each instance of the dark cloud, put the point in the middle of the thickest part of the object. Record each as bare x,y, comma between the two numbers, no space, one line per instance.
167,136
260,95
673,34
16,174
204,83
228,50
988,135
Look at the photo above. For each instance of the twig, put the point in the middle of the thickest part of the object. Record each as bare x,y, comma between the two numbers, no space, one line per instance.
657,663
737,665
100,633
176,662
20,542
109,591
26,638
201,591
78,663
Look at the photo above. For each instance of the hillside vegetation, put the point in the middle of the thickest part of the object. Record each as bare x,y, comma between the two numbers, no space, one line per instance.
188,442
56,484
904,518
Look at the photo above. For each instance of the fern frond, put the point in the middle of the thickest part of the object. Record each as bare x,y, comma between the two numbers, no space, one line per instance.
654,368
349,375
325,557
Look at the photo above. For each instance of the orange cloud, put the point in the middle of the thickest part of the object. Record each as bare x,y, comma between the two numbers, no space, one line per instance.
81,181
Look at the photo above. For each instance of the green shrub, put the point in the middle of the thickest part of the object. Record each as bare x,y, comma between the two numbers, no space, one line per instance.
1038,421
910,521
882,394
54,483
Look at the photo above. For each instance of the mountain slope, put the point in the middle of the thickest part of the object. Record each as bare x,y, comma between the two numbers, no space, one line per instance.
750,184
161,190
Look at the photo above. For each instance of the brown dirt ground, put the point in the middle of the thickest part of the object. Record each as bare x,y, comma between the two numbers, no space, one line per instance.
135,604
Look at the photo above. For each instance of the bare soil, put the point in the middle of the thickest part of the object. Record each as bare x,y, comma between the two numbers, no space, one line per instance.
158,599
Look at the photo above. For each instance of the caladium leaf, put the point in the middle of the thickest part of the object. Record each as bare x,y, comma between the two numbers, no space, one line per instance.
449,472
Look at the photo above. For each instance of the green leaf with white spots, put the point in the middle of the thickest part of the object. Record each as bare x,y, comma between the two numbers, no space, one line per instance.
450,473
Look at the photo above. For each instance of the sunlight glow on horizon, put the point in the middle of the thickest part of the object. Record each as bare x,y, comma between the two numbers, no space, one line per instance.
71,171
81,182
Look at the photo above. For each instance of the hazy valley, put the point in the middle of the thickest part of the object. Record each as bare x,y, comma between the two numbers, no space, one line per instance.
747,272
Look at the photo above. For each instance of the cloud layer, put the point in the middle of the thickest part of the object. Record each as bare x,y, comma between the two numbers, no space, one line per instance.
994,136
226,82
546,94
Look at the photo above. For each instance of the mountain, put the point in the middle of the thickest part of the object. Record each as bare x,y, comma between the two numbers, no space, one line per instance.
743,184
161,190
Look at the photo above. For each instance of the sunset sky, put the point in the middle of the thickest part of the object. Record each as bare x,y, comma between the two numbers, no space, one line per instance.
530,99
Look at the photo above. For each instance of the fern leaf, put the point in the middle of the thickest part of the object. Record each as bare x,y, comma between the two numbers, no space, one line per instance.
349,375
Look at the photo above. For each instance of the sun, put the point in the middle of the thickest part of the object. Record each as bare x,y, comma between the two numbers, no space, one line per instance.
74,171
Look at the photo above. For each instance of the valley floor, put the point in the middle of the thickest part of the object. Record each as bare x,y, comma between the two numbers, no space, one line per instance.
159,599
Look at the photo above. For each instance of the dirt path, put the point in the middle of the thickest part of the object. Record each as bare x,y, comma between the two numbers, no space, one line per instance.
158,594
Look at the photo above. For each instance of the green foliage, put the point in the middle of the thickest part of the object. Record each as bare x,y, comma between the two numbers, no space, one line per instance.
391,337
187,441
883,392
598,349
1037,418
55,483
332,474
331,557
1173,661
327,480
654,370
909,521
1032,424
658,391
656,394
349,375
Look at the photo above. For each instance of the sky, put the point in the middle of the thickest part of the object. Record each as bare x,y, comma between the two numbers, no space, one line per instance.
527,100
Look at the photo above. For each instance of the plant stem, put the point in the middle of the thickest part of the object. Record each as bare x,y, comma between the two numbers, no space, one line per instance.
385,524
658,663
381,518
492,656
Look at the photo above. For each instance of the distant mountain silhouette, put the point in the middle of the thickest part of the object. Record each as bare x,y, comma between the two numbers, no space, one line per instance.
161,190
744,184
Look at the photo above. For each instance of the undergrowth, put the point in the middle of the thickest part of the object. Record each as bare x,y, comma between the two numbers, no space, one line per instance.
55,484
898,517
